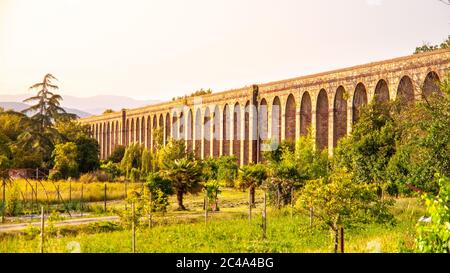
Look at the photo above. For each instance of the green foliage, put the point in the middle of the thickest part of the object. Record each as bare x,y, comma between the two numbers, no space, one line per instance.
175,149
196,93
227,170
135,175
88,154
368,150
185,175
113,169
423,145
434,236
146,162
131,159
13,205
65,158
251,176
212,189
160,189
427,47
117,154
340,202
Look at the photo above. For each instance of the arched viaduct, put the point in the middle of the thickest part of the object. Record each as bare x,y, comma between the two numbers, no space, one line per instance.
242,121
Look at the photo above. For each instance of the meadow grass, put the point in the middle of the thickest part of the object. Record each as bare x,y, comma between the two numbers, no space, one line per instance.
234,233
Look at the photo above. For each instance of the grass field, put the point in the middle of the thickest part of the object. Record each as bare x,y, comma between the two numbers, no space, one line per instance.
230,231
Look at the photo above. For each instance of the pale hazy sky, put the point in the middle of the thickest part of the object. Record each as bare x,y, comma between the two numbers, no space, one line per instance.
157,49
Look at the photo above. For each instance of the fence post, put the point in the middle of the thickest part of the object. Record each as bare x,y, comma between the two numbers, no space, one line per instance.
150,224
126,194
264,223
292,202
105,198
3,200
133,229
70,191
206,207
250,205
81,198
42,229
342,240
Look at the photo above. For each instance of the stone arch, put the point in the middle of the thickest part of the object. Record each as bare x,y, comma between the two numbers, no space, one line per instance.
405,91
142,140
174,125
276,120
237,131
216,132
305,114
167,129
117,134
149,132
198,133
290,118
100,138
127,132
381,92
189,132
322,120
339,115
113,136
246,132
431,85
263,125
359,100
181,127
161,122
207,134
132,132
108,139
138,131
226,134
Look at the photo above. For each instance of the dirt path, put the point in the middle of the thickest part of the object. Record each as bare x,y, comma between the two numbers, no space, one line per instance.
70,222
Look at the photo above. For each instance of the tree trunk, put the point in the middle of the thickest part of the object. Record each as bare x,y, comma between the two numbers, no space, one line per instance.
180,200
336,239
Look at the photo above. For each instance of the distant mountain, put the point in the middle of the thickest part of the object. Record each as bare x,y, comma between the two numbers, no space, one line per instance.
19,106
94,105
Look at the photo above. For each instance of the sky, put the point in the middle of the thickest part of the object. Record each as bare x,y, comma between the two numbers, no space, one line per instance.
158,49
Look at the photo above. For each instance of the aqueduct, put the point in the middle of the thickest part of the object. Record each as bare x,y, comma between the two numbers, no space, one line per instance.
240,122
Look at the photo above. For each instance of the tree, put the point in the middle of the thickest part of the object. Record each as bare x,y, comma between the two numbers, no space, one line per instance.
117,154
65,160
108,111
175,149
184,175
339,202
131,159
47,108
434,236
227,170
423,144
88,154
369,149
251,177
427,47
146,162
160,189
212,189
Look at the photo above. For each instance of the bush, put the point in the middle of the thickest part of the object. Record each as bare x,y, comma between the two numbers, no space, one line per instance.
88,178
435,236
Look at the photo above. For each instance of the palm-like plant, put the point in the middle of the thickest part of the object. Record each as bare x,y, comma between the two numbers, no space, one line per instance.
47,108
185,176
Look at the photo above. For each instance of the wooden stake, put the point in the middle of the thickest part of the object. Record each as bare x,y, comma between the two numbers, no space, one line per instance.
42,229
3,200
206,208
81,199
105,197
133,229
250,205
264,223
342,240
